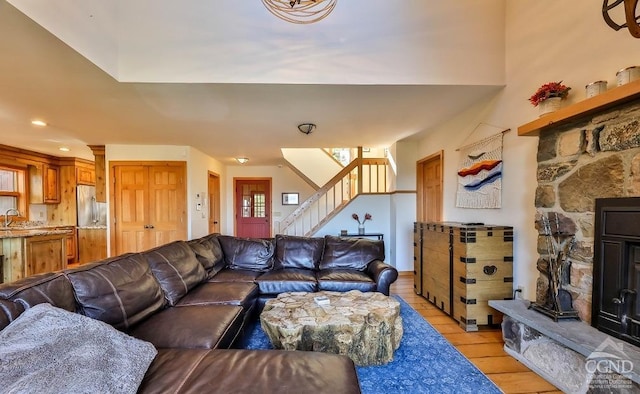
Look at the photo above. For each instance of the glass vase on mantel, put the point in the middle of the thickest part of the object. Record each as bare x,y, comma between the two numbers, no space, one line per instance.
549,105
361,229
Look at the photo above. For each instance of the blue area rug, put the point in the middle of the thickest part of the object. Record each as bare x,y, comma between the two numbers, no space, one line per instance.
424,363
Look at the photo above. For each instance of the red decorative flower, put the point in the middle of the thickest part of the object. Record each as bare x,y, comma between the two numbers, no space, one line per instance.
551,89
355,217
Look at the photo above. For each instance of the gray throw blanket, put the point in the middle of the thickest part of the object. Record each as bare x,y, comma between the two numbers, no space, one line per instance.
51,350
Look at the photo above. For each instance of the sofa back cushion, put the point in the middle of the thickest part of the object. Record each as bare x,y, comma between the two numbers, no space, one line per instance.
247,253
9,311
177,269
120,291
51,288
350,253
209,253
298,252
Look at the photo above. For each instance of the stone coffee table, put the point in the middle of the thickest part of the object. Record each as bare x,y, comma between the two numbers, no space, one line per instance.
364,326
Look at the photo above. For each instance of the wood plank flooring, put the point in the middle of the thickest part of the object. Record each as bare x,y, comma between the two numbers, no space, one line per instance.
483,348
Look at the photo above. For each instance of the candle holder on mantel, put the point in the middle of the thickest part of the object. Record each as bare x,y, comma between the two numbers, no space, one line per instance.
559,305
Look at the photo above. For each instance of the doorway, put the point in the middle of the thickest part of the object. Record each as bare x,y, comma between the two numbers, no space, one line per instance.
252,203
148,204
214,203
429,188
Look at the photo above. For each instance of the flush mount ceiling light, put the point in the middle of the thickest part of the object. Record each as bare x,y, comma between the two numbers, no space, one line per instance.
64,149
38,122
306,128
300,11
242,160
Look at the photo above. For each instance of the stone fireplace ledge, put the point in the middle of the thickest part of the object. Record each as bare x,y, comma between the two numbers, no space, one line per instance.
575,335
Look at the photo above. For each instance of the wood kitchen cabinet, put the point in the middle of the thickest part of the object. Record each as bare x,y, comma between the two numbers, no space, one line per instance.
44,184
45,253
85,176
92,244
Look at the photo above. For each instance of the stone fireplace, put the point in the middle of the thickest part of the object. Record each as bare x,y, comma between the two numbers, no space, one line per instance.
595,157
586,153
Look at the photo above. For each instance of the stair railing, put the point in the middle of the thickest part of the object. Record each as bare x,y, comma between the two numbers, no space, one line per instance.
361,176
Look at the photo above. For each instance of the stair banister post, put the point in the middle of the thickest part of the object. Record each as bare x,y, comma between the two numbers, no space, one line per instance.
359,188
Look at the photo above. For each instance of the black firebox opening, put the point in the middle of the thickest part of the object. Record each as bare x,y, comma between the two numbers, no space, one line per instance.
616,268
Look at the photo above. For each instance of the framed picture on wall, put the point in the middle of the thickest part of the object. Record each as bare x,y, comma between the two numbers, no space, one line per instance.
290,198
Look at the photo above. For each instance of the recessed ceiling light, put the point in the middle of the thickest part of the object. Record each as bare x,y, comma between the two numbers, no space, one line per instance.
64,149
38,123
242,160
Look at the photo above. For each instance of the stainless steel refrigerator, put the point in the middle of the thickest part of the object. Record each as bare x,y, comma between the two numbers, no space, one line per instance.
90,212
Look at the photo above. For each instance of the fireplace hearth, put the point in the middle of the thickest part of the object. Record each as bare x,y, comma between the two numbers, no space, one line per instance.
616,268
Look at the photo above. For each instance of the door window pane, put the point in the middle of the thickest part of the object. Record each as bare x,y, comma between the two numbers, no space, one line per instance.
259,205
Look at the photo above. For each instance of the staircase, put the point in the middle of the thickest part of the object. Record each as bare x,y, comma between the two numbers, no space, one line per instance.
361,176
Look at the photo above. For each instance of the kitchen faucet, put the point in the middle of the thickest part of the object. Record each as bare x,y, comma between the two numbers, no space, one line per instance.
7,222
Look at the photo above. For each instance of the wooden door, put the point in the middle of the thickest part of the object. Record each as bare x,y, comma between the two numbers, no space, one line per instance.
214,203
149,205
131,202
167,204
429,185
253,207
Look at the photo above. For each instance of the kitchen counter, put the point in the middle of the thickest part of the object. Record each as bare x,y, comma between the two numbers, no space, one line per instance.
96,227
18,232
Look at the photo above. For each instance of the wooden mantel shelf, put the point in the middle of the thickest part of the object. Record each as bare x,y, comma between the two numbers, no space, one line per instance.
610,98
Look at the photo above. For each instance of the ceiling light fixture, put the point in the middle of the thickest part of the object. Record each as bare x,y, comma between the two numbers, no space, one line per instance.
64,149
38,123
300,11
306,128
242,160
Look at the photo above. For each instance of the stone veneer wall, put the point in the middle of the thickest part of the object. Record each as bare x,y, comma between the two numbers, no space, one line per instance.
596,157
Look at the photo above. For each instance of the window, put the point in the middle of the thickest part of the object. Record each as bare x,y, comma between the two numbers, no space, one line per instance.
12,190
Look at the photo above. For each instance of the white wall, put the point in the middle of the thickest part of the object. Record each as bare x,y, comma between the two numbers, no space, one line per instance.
198,167
315,163
375,204
546,41
283,180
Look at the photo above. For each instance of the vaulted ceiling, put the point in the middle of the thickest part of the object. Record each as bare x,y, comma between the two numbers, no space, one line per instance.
230,79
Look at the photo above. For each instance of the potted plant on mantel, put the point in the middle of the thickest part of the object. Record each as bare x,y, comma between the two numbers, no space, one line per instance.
549,96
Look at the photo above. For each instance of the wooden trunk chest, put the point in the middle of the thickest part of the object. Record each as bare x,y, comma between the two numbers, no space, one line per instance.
436,265
465,266
482,271
417,258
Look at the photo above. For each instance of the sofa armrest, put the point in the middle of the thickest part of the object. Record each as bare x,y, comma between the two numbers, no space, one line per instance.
383,274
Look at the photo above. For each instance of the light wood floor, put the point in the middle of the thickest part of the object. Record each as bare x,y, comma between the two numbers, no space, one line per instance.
483,348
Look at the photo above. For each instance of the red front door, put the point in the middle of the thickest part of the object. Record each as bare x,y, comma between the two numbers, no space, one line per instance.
253,207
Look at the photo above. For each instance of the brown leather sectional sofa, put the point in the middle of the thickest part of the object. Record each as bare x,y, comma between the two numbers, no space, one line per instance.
192,301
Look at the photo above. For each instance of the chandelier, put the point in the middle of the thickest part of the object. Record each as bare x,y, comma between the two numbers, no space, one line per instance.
300,11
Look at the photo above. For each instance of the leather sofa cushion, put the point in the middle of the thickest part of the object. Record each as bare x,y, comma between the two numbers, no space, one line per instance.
350,253
344,280
177,269
198,326
247,253
209,253
9,311
51,288
298,252
229,275
224,293
184,371
120,291
290,279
